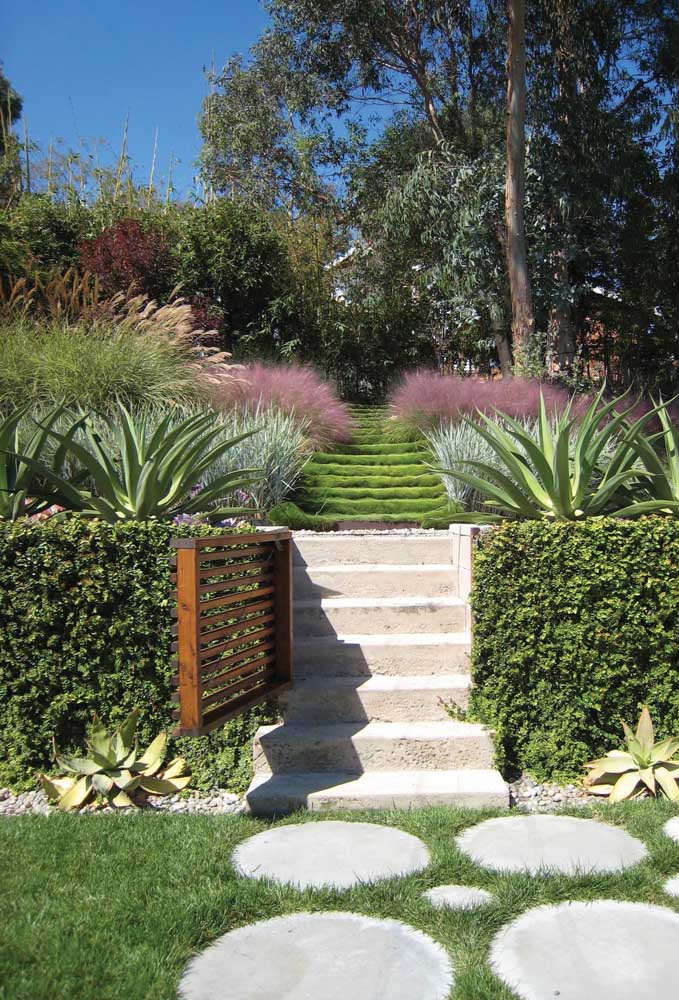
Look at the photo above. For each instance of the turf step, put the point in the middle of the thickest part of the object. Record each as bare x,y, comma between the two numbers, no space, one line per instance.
406,448
414,493
377,507
371,482
399,471
332,458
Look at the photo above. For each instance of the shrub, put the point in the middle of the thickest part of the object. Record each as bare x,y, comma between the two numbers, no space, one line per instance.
93,364
126,254
85,627
426,398
576,626
292,389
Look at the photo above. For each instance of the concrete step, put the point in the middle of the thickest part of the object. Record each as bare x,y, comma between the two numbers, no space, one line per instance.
333,547
373,581
393,655
354,747
332,615
319,700
282,793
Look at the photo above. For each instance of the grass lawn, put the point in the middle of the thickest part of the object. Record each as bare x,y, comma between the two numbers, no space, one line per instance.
112,907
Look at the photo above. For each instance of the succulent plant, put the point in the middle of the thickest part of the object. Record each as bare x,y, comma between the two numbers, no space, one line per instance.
645,768
114,770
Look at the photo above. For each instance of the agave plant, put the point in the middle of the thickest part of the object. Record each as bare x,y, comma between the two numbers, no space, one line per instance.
663,470
30,483
113,770
644,768
148,467
562,471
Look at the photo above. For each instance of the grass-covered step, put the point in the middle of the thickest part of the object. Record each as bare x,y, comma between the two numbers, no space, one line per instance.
336,458
406,448
381,475
389,493
347,507
371,482
398,471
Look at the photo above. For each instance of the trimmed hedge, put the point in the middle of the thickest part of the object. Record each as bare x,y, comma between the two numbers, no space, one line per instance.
575,627
85,626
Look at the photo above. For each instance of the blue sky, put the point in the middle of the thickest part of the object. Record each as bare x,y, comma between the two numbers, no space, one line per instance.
82,66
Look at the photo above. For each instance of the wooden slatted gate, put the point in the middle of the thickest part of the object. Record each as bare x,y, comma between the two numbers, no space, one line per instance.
234,625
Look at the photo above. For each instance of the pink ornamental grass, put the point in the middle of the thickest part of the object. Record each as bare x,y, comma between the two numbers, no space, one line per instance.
293,389
425,398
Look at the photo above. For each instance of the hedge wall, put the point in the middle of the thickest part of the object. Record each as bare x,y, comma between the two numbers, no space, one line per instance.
576,626
85,626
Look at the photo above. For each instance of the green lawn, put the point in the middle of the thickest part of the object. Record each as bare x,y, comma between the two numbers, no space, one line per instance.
112,907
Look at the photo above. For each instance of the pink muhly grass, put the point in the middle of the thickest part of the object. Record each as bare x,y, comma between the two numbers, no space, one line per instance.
425,398
293,389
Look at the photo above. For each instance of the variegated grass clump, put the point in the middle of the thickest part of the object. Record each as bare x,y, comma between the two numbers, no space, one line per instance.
644,768
113,771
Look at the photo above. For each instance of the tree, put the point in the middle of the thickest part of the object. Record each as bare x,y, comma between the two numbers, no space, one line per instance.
10,154
523,319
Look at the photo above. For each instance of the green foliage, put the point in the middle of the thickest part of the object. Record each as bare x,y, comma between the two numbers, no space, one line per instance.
663,476
576,625
46,232
229,254
17,476
561,471
85,627
646,767
114,771
154,469
92,365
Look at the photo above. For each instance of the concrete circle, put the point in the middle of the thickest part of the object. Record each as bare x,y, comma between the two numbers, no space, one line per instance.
579,951
671,828
558,843
457,897
330,854
671,887
328,955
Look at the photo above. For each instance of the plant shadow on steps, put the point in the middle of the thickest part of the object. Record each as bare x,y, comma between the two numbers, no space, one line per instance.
322,713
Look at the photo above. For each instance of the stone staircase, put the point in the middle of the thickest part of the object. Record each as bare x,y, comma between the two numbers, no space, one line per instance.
381,647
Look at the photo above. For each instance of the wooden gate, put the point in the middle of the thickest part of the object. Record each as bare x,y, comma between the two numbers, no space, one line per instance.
234,625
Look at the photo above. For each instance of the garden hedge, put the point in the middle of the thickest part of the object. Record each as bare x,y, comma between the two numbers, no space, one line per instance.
85,626
576,626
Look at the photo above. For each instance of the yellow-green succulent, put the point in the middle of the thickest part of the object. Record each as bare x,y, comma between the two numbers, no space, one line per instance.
644,768
114,771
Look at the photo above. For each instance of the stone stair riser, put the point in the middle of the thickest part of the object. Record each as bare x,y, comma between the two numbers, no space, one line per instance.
288,753
333,705
315,658
309,582
318,620
357,550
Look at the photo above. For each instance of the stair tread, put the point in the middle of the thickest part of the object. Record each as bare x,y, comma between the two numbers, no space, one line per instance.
448,730
384,784
417,601
387,639
351,568
383,682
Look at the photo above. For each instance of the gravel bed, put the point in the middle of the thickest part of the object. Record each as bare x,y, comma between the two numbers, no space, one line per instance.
532,796
216,801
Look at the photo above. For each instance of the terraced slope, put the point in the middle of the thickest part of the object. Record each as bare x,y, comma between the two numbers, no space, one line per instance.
372,479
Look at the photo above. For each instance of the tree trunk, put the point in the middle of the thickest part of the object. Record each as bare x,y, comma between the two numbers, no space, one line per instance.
561,321
523,319
504,351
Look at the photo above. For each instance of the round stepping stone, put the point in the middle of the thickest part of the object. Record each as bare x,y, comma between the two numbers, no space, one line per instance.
330,854
671,828
579,951
328,955
457,897
558,843
671,887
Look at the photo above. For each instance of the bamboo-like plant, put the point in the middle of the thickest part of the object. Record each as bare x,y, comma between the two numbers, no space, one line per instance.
562,471
644,768
148,468
27,484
